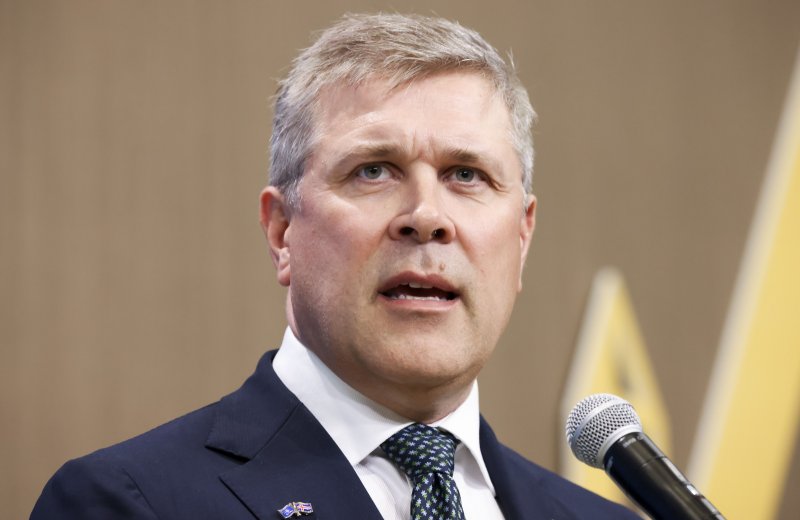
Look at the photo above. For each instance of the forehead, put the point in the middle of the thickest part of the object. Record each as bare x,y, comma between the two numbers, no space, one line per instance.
378,91
454,109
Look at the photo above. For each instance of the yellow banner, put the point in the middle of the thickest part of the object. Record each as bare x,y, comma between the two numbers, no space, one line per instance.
748,430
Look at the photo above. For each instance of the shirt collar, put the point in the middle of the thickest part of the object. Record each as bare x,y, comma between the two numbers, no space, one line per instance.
357,424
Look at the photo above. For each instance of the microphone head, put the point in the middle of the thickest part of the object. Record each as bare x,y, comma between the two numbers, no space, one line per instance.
597,422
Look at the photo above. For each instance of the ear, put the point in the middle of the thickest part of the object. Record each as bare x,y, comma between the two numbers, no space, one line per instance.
275,221
526,226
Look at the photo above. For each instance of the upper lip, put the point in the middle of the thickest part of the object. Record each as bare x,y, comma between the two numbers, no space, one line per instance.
412,279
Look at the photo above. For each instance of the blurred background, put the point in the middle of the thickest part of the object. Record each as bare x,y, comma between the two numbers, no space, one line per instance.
135,284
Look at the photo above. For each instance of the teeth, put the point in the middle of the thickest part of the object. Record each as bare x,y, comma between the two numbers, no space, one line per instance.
409,297
415,285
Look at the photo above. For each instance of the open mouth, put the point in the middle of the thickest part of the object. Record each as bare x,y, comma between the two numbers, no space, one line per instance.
418,291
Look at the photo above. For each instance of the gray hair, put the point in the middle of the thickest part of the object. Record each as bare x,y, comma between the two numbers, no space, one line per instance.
400,49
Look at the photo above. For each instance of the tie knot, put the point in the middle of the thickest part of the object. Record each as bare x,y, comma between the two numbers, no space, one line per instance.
421,450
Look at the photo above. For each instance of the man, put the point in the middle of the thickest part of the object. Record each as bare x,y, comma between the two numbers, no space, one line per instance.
399,217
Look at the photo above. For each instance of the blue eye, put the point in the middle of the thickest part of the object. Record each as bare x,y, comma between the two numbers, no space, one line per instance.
372,171
464,174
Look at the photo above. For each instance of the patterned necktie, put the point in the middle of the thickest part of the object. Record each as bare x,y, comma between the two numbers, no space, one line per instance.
426,455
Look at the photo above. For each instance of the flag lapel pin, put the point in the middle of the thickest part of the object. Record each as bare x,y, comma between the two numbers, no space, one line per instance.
296,509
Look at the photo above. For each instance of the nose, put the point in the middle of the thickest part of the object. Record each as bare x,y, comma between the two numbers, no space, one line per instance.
423,217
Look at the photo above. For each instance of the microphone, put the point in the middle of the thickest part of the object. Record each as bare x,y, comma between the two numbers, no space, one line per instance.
604,431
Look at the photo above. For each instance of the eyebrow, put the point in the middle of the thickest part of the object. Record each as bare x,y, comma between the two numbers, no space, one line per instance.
470,157
463,155
364,152
378,150
458,154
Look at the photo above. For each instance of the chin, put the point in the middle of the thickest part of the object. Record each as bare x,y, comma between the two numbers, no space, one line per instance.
430,367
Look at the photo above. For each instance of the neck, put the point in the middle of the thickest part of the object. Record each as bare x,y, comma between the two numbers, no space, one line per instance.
422,406
423,398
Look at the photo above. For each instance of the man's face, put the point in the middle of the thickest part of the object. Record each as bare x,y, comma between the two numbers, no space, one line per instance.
404,258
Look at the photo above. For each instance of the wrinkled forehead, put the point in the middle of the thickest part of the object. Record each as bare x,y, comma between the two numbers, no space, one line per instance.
391,81
333,99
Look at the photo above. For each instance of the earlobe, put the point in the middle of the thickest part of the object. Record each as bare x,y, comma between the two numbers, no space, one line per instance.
527,226
275,221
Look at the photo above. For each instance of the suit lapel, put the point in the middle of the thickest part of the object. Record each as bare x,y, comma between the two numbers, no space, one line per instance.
289,455
301,464
521,494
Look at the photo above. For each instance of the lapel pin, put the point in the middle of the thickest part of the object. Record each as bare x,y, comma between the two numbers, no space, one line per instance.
296,509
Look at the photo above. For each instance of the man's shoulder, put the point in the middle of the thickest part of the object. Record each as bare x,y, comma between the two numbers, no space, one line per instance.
175,465
178,438
253,410
167,448
568,499
122,480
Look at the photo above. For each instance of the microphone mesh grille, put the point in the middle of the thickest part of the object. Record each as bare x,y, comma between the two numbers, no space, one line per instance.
595,420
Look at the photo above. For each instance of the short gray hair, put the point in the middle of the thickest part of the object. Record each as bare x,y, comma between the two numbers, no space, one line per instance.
400,49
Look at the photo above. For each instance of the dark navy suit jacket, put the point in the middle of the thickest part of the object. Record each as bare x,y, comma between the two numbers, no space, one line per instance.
258,449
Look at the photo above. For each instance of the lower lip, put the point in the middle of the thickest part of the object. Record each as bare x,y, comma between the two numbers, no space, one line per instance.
418,304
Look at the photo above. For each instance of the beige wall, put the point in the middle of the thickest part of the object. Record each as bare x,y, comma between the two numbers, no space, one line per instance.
134,282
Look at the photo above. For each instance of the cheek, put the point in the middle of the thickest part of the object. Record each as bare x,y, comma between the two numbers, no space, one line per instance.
495,247
496,238
335,245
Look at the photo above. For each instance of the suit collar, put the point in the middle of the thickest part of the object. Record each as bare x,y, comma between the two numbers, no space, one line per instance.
247,419
288,455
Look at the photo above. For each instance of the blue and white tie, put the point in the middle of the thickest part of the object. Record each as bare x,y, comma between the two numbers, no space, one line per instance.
427,456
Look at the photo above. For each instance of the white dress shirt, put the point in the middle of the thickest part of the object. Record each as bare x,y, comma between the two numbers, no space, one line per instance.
359,425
